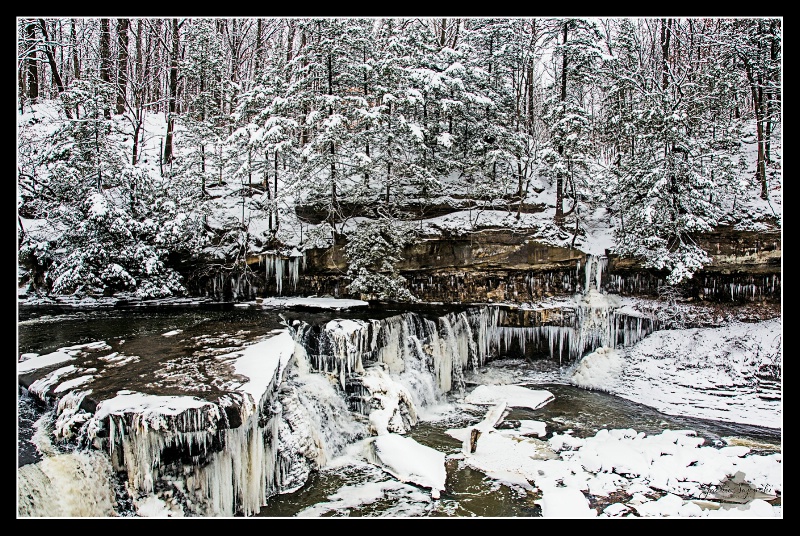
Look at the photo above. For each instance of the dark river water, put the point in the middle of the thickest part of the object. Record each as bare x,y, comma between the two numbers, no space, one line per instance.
139,331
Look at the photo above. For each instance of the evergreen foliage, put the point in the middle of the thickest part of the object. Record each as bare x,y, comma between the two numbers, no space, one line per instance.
354,117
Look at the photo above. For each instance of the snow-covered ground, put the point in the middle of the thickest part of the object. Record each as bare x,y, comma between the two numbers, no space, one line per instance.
732,373
628,473
664,475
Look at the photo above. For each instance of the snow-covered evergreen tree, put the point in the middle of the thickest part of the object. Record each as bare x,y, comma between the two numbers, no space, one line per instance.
205,126
569,122
677,164
373,250
109,226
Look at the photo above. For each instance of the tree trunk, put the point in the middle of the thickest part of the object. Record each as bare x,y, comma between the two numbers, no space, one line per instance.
155,88
33,69
105,58
388,183
136,130
21,84
275,195
289,48
773,95
761,172
259,45
76,64
559,216
389,157
454,42
173,90
529,84
59,25
666,25
122,63
303,128
334,200
51,60
366,173
137,76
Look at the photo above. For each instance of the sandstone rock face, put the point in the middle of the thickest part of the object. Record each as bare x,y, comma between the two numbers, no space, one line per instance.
498,266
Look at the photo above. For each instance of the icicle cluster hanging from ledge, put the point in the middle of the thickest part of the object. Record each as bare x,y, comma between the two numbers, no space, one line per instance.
279,266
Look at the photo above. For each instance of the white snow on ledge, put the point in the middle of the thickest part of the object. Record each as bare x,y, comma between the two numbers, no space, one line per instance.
151,408
512,395
260,361
34,362
319,303
410,461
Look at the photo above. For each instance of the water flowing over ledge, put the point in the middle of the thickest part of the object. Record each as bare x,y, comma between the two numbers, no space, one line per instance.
282,407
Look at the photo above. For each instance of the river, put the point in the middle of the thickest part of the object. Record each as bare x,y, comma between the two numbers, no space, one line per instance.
343,488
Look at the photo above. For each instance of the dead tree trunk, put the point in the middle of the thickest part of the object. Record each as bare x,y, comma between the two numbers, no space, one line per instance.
52,61
32,62
173,90
122,63
105,58
73,35
559,217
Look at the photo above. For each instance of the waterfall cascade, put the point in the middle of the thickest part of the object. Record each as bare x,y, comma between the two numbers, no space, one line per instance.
429,356
593,319
337,382
432,354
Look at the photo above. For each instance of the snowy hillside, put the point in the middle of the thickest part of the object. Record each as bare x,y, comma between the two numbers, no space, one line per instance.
230,203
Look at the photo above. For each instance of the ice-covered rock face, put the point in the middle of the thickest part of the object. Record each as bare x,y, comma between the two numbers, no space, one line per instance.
388,403
316,422
409,346
731,373
208,451
340,347
429,357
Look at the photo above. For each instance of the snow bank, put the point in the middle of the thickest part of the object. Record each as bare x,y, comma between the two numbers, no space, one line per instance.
409,461
731,373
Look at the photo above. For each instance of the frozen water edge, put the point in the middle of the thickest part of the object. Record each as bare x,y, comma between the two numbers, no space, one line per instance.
89,302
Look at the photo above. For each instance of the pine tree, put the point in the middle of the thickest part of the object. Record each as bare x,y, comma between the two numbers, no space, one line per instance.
373,250
112,227
681,162
568,121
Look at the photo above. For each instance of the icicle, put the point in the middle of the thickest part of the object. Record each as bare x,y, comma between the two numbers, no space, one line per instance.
270,263
595,268
294,271
279,274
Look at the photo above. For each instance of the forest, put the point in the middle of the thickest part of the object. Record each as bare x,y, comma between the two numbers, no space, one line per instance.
152,150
